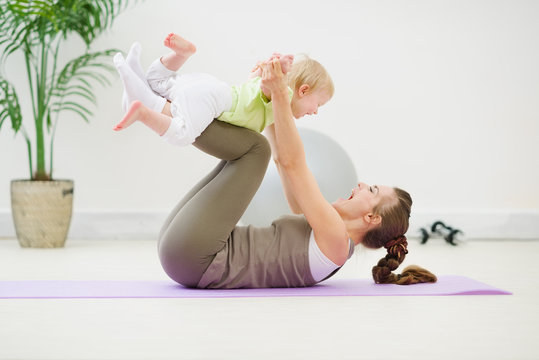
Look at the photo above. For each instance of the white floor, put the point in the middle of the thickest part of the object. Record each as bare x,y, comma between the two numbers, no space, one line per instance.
448,327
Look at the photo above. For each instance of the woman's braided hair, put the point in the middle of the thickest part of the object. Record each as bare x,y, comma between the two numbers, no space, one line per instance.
390,234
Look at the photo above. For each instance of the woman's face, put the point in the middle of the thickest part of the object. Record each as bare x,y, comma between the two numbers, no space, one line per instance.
306,102
363,200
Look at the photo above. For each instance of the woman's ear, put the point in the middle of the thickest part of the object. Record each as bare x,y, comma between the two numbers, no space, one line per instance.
372,219
303,90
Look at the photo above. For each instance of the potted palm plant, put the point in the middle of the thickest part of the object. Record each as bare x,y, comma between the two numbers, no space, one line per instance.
42,205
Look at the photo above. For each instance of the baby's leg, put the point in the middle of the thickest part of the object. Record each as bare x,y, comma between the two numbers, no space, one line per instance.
160,79
133,60
182,50
174,130
135,88
158,122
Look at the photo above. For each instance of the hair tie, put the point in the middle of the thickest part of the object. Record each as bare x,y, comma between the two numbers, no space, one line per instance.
397,247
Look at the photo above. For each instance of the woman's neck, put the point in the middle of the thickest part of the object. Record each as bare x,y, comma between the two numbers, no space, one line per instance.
356,230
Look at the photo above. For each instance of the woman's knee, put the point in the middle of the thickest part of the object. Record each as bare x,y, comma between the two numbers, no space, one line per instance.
229,142
181,263
262,147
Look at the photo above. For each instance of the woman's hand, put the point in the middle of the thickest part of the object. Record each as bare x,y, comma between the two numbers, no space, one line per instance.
273,78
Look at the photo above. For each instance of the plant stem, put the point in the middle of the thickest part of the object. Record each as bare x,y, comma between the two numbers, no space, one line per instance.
40,137
34,109
30,82
50,92
29,147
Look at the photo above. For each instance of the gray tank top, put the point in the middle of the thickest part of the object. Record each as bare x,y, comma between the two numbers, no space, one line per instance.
263,257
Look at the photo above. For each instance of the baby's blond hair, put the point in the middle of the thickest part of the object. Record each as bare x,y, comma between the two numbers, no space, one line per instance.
310,72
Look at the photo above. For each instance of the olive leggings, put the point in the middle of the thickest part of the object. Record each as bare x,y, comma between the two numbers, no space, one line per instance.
201,223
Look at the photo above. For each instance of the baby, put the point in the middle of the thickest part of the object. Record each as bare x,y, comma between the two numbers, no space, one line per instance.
180,107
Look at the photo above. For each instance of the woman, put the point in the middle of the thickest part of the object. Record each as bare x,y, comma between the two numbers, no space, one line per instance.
201,246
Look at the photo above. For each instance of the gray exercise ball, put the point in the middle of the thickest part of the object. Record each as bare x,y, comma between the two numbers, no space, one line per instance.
331,166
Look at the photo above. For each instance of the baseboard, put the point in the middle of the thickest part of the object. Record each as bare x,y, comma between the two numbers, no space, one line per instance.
481,223
138,224
102,224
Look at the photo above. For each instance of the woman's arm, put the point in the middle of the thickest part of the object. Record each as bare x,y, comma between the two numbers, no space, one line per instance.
257,72
329,229
292,203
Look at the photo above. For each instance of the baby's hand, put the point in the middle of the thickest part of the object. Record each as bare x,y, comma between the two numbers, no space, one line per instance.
286,63
257,70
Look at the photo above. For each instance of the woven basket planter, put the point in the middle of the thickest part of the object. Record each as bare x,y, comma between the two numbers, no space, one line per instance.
42,211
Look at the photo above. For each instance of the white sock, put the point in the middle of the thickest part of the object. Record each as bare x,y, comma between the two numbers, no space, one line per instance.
133,60
135,88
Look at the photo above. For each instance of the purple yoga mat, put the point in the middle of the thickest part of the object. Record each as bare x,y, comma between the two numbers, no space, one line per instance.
55,289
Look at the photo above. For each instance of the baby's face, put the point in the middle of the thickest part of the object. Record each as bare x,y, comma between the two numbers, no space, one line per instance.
307,102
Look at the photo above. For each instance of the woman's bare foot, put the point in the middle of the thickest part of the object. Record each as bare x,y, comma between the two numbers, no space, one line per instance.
133,114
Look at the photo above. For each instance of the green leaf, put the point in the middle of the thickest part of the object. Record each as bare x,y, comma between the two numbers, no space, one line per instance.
82,112
49,122
75,80
9,104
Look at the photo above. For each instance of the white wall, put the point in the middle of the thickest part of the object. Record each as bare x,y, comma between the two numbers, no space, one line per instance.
437,97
